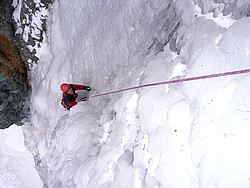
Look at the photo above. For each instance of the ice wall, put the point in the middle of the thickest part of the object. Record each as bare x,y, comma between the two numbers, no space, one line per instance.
169,136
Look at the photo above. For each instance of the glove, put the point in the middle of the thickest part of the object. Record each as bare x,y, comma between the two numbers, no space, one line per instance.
87,88
84,99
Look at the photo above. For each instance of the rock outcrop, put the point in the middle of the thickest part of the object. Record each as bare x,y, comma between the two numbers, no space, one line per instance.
17,54
13,72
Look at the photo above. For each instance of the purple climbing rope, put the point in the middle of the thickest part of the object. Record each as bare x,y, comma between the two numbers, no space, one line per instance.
175,81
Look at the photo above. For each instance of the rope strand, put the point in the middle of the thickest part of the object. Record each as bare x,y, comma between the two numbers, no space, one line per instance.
176,81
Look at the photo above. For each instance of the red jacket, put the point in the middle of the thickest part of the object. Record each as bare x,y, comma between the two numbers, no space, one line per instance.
69,100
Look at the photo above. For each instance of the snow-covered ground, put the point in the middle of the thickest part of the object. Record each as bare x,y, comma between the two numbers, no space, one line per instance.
17,168
193,134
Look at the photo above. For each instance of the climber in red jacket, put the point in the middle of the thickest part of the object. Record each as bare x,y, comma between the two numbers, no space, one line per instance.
69,94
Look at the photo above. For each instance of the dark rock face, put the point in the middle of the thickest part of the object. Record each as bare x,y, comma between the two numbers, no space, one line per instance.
15,58
13,83
13,72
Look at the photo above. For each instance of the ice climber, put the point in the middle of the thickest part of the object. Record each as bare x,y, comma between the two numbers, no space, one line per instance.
69,94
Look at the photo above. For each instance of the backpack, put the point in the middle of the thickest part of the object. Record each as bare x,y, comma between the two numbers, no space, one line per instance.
67,107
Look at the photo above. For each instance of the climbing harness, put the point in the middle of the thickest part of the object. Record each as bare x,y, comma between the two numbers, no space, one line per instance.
176,81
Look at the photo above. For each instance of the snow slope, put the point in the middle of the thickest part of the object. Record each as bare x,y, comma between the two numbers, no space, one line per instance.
17,168
193,134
